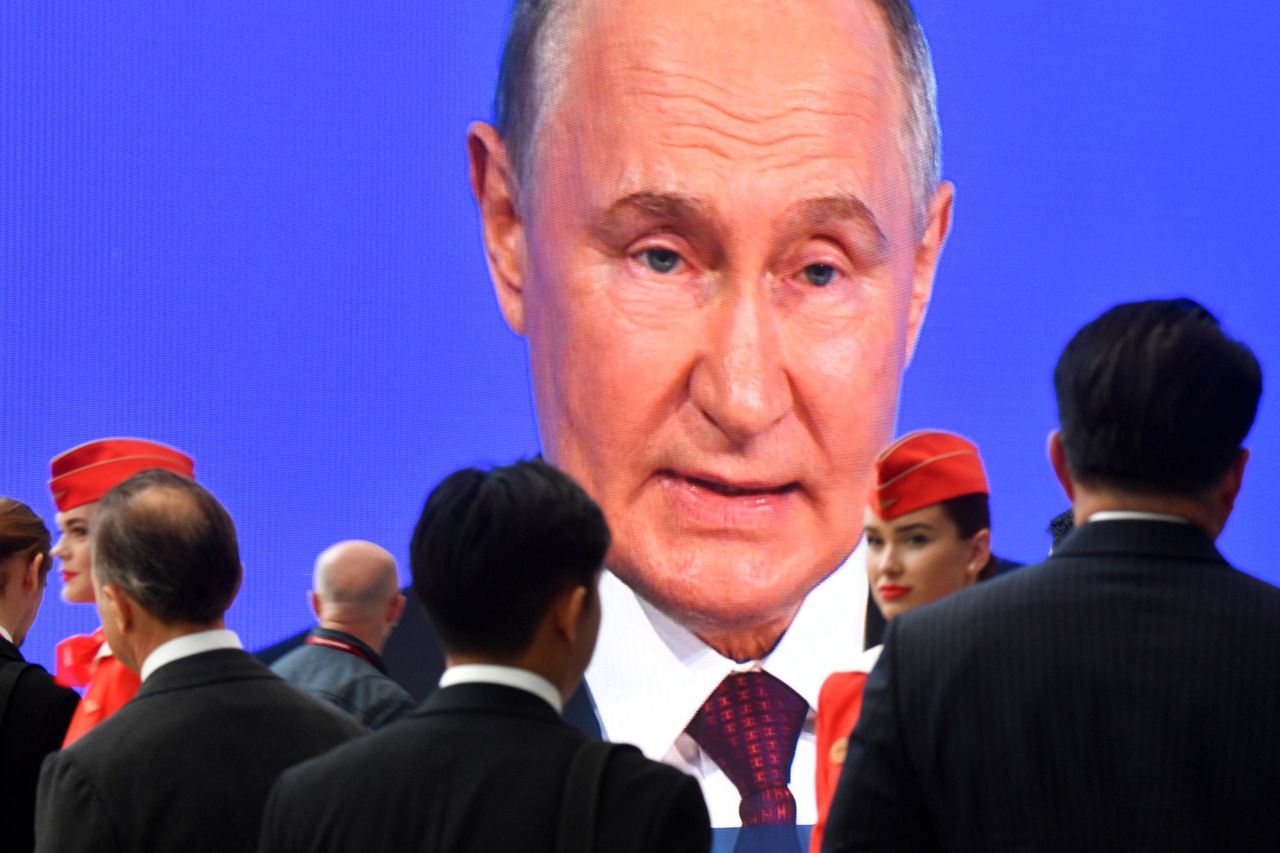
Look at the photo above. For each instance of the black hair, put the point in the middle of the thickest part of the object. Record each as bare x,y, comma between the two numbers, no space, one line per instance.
1154,398
970,514
492,550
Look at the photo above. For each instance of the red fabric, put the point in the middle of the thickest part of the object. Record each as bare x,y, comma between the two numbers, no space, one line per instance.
111,683
84,474
750,725
924,468
75,659
839,704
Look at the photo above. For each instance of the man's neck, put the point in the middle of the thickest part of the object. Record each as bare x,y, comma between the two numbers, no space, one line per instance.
1090,502
156,635
373,635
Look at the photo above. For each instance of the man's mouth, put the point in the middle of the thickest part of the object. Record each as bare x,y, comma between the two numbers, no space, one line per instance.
711,502
738,490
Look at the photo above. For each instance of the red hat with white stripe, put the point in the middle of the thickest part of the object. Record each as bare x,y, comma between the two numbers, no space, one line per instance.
85,473
925,468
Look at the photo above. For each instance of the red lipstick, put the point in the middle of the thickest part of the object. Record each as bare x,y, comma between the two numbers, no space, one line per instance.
890,591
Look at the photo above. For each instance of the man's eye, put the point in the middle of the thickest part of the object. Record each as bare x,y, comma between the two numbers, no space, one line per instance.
820,275
659,260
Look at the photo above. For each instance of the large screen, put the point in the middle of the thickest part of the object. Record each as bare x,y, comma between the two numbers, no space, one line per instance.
250,234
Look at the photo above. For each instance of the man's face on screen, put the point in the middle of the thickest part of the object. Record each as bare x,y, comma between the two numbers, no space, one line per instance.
720,274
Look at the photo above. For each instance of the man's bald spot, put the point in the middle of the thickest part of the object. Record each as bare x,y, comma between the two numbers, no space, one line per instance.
536,59
355,573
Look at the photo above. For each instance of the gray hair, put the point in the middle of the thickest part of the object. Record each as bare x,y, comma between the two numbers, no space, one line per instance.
535,56
167,542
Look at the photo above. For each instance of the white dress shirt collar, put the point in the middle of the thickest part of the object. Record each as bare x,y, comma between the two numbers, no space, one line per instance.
508,676
188,645
1133,515
4,632
650,675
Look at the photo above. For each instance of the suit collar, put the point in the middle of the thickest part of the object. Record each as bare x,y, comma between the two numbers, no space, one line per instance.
1150,538
8,651
202,669
490,698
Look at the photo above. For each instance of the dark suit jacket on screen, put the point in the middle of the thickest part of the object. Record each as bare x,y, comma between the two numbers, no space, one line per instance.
480,767
34,723
187,764
1123,695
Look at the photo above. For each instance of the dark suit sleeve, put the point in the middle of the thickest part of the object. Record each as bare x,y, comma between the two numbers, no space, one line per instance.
69,813
681,824
879,803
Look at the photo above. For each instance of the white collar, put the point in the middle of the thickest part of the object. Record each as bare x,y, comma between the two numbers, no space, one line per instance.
650,675
1134,515
188,645
4,632
508,676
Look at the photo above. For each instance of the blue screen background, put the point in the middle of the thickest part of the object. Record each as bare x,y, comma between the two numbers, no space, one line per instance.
248,233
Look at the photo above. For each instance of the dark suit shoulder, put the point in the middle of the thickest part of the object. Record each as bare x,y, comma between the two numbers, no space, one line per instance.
647,805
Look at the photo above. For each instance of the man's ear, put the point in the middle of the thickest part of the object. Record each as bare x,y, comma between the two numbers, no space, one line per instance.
493,184
316,603
396,611
936,228
567,612
1231,483
115,604
1058,459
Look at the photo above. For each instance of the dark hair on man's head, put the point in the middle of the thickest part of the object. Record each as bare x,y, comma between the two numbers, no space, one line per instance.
494,548
167,542
22,535
970,514
1154,398
1061,525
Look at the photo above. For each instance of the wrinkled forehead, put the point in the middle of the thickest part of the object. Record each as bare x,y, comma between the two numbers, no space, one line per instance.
756,82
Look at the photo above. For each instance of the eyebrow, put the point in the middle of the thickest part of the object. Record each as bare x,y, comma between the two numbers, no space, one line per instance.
809,214
670,207
813,213
919,526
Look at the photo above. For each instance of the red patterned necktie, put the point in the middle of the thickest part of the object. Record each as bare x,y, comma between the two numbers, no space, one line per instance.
750,725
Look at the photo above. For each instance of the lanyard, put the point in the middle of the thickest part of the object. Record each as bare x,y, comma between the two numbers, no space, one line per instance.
340,645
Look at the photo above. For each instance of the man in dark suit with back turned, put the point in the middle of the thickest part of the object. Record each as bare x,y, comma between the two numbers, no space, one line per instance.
187,764
507,563
1122,695
34,711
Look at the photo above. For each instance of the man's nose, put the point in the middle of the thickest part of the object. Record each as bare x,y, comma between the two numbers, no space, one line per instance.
741,383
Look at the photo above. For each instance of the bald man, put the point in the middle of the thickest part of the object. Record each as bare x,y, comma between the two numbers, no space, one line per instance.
357,602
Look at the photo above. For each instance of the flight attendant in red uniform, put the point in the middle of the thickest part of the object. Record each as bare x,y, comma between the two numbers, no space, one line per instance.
80,477
928,534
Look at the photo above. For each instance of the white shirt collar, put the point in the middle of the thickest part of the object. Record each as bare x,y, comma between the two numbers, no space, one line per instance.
508,676
650,675
188,645
4,632
1133,515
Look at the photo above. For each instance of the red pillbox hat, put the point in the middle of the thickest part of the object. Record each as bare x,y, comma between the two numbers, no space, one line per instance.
924,468
84,474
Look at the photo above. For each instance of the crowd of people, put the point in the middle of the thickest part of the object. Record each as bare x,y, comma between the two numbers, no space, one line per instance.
1077,704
